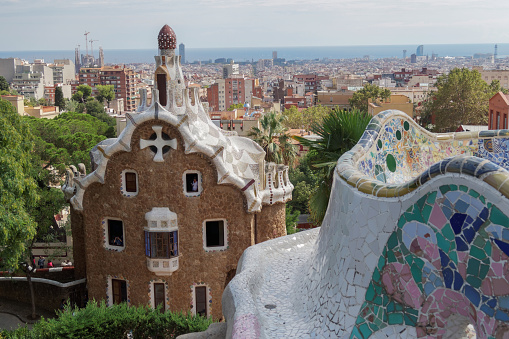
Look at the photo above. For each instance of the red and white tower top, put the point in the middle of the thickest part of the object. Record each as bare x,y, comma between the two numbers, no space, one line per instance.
167,38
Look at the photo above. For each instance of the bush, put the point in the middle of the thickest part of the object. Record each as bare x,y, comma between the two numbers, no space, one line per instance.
118,321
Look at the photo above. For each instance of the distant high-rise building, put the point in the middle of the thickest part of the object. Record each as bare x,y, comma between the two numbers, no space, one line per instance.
77,60
274,55
420,51
182,53
101,57
230,70
413,58
404,54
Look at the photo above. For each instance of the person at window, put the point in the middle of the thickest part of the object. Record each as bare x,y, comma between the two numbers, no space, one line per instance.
195,185
41,262
117,241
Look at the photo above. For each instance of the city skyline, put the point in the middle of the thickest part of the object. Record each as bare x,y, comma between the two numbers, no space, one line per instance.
114,24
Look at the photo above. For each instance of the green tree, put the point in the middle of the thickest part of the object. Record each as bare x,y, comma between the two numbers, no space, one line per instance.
18,190
235,106
272,137
4,85
96,109
59,98
105,92
43,102
360,99
293,118
462,98
82,93
292,218
338,133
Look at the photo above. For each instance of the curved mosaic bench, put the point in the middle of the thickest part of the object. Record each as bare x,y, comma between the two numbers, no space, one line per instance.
415,244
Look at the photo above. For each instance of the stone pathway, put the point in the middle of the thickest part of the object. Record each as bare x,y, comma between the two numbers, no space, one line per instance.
14,314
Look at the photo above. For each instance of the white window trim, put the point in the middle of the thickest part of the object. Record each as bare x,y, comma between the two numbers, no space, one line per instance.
109,289
209,298
151,293
106,237
122,184
200,185
215,248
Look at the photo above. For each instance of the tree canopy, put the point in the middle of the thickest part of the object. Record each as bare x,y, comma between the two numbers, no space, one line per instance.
462,98
4,85
306,117
18,190
82,93
235,106
59,98
105,92
360,99
272,137
338,132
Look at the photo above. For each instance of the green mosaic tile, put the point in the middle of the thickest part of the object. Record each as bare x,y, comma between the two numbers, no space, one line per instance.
373,327
392,242
454,256
390,307
378,300
483,271
448,232
376,275
442,243
487,248
473,266
395,318
453,187
444,189
431,198
463,188
499,218
416,272
479,241
473,193
412,312
477,253
409,259
381,260
474,282
483,200
365,330
391,163
410,320
391,257
426,211
356,334
406,125
370,293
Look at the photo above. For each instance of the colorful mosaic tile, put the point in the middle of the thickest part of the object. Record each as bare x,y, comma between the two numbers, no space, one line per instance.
449,255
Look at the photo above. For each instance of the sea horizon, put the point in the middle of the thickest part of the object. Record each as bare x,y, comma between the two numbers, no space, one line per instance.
242,54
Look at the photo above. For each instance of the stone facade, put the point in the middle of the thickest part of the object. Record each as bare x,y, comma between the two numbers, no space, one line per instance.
159,148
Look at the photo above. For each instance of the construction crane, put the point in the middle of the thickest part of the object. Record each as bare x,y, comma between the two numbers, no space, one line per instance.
92,46
86,40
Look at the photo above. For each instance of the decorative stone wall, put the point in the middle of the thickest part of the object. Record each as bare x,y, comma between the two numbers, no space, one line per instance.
414,244
271,222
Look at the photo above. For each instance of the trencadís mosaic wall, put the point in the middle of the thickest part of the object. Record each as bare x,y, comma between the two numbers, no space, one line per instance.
415,244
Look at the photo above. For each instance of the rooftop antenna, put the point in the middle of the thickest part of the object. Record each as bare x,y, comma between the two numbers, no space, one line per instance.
86,40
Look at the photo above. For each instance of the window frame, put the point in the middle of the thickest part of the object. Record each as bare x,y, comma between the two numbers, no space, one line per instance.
110,289
225,236
184,183
152,290
123,186
106,233
208,299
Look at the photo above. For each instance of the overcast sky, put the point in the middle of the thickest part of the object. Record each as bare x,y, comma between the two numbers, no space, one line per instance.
130,24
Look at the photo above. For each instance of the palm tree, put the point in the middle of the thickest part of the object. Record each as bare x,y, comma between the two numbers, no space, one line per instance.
338,132
272,137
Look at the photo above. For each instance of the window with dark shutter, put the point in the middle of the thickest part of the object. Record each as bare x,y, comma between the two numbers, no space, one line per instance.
130,182
119,289
159,296
201,300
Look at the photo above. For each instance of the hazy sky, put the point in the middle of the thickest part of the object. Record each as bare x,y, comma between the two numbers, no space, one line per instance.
129,24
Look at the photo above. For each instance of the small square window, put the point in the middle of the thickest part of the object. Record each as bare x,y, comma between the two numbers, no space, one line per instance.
215,234
129,183
192,183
